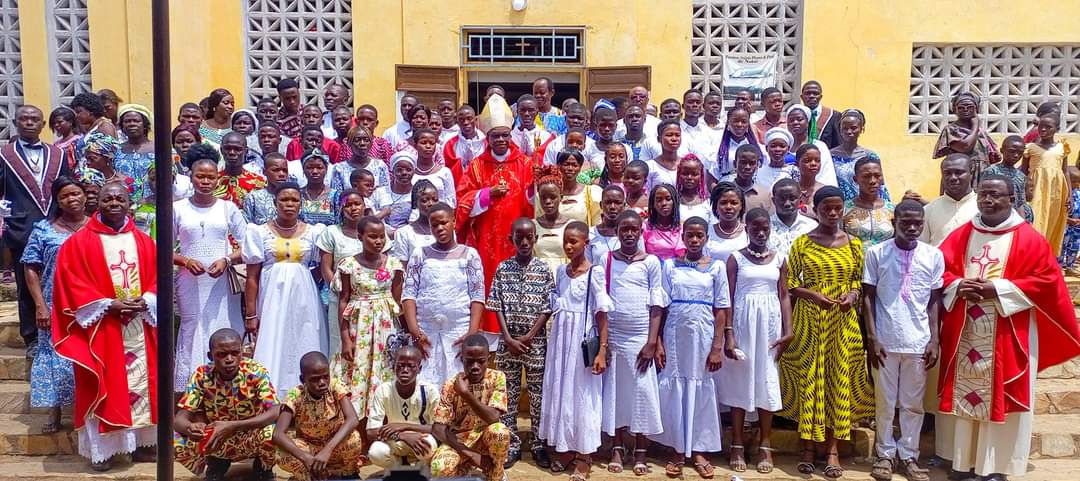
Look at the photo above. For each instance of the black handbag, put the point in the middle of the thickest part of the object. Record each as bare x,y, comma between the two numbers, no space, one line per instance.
590,346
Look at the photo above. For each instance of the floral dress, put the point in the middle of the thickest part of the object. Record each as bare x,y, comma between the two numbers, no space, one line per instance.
52,382
370,314
1071,244
869,226
319,210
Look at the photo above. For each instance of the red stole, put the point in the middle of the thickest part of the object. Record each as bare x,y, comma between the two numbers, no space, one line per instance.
1033,268
52,160
82,277
823,120
489,232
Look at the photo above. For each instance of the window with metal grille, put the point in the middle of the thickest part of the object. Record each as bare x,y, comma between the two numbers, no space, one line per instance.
745,26
309,41
11,76
489,45
1010,80
69,45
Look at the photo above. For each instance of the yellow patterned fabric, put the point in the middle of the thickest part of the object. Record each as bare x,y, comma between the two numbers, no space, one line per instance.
288,250
823,372
1051,190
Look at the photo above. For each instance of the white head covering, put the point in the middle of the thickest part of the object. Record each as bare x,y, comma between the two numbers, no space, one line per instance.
803,108
779,133
496,113
402,156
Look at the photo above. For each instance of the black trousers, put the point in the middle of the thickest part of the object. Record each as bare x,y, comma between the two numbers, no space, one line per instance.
27,323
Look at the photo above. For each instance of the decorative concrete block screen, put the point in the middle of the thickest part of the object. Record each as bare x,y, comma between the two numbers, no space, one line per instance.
69,45
306,40
747,26
11,82
1010,80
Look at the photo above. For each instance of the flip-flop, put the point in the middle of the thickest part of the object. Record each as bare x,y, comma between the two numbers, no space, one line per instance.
705,469
617,468
806,467
673,469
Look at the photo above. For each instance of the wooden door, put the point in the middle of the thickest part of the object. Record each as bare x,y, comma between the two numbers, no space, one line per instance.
429,84
608,82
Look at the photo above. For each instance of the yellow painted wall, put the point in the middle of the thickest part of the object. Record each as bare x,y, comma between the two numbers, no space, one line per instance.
428,32
860,50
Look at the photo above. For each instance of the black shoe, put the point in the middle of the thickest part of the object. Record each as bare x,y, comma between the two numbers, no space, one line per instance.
262,473
512,457
102,466
955,475
216,468
541,458
144,455
994,477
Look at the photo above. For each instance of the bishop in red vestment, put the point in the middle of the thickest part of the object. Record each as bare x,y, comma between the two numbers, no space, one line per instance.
104,321
492,195
1008,316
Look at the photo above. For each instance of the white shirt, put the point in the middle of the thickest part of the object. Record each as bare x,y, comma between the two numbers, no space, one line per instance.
594,155
526,140
767,175
649,129
945,214
702,141
400,132
900,312
781,236
35,158
328,126
727,166
659,174
651,149
387,406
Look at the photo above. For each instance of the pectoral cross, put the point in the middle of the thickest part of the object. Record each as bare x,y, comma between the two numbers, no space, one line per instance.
984,261
125,268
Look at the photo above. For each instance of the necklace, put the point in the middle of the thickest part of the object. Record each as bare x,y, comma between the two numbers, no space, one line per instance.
436,248
720,227
760,255
428,171
69,227
285,231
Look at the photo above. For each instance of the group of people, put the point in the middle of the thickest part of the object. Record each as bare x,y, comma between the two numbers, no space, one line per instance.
644,279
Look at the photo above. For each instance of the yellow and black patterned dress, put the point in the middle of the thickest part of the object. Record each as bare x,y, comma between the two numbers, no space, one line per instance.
823,378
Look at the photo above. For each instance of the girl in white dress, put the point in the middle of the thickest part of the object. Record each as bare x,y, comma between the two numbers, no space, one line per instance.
429,166
391,203
443,297
692,200
602,237
664,169
570,410
284,313
761,330
728,234
631,401
697,302
418,232
202,225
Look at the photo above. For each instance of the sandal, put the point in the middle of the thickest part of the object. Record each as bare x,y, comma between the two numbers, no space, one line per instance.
915,472
557,466
640,468
765,464
804,466
576,476
613,467
833,471
672,469
882,469
705,469
737,463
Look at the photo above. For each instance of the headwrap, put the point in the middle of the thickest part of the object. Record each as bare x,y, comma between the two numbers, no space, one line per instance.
603,103
803,108
779,133
826,192
402,156
99,143
142,110
191,129
90,176
253,137
496,113
965,95
315,153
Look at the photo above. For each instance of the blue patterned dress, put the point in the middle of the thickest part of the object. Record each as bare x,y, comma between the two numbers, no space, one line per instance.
845,173
133,164
1071,245
52,382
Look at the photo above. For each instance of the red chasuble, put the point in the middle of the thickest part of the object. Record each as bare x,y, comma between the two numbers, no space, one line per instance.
84,274
1031,267
489,232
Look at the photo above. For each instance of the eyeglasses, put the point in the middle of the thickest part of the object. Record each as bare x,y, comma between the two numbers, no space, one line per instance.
992,195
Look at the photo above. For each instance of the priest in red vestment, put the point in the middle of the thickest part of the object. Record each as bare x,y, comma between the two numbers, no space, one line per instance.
1008,316
492,195
462,148
104,321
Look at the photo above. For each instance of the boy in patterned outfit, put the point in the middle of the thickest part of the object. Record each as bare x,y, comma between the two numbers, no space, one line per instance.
326,442
226,413
467,419
520,298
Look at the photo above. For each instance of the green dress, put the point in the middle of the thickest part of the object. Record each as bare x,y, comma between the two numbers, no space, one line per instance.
823,374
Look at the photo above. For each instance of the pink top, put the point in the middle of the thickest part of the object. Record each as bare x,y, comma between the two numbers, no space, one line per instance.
663,243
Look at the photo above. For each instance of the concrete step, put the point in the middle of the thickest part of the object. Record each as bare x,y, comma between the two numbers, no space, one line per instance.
15,397
1073,285
1057,396
14,365
9,326
1056,436
8,293
20,434
68,467
1066,370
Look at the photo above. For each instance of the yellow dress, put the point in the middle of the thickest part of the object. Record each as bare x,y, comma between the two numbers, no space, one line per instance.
823,376
583,206
548,247
1051,190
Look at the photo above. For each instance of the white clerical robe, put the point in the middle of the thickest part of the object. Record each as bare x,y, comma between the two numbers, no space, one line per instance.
974,442
945,214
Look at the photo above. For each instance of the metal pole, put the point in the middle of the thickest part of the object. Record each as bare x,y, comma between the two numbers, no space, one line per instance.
163,178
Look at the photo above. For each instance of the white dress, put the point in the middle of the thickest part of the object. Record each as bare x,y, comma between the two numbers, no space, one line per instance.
333,241
631,399
291,314
444,183
658,174
691,417
570,409
406,240
444,286
400,206
600,245
754,383
720,248
702,210
205,303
